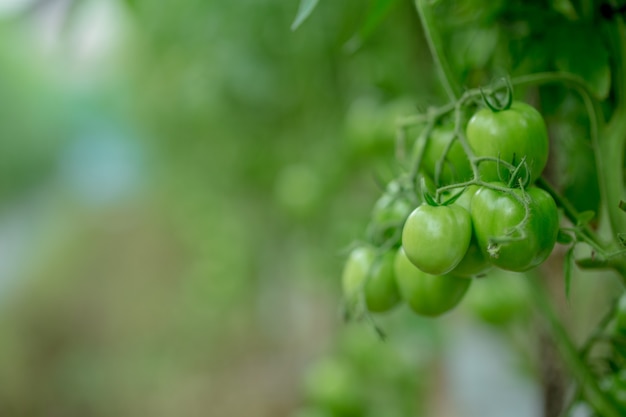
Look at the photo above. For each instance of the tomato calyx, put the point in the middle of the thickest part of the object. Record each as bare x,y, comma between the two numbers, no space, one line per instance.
516,180
433,200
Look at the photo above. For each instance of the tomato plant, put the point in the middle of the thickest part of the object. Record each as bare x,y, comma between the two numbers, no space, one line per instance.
474,262
529,235
493,142
499,298
445,167
509,135
435,239
426,294
372,277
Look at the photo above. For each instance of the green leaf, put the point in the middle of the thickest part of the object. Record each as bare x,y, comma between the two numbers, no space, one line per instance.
430,200
454,197
426,194
622,238
579,49
567,270
622,205
304,11
585,217
378,10
565,7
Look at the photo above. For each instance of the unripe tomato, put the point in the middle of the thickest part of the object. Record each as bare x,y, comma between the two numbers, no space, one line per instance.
499,298
428,295
363,272
389,210
510,135
436,239
389,213
381,290
334,385
494,213
473,262
456,167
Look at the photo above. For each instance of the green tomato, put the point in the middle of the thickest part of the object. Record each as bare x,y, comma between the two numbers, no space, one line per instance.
374,276
389,214
391,210
474,262
334,385
499,298
436,239
495,213
426,294
456,166
509,135
381,290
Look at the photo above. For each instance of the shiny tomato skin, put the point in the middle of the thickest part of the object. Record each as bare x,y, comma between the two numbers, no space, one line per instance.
436,239
494,213
509,135
426,294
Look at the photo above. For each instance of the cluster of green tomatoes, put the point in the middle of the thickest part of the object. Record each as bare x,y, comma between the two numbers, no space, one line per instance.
468,203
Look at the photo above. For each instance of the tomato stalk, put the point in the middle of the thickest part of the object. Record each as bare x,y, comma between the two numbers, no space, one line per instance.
435,44
610,145
570,354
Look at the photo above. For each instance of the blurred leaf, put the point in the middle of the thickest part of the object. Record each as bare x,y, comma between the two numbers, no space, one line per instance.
585,217
564,238
375,15
474,47
566,8
593,64
304,11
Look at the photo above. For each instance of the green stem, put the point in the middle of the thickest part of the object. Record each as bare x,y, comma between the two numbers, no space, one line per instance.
609,147
604,321
558,77
596,398
435,44
568,208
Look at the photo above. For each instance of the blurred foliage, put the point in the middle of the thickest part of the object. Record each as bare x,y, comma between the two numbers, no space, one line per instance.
182,191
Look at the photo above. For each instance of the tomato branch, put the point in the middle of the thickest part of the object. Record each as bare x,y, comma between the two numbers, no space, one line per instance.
577,366
435,43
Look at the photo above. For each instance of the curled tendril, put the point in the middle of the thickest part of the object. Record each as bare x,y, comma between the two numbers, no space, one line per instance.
492,101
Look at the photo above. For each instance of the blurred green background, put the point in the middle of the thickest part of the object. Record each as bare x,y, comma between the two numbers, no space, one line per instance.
180,182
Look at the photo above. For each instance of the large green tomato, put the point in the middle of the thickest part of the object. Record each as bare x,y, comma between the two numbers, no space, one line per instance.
426,294
510,135
363,272
494,213
474,262
456,166
436,239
